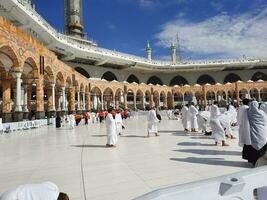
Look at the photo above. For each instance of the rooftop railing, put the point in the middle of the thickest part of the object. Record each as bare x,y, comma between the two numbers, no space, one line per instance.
239,185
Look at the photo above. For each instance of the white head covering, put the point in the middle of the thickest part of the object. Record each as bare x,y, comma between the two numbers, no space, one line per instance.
258,125
264,107
42,191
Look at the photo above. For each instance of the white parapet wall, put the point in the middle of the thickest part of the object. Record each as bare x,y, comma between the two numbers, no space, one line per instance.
237,186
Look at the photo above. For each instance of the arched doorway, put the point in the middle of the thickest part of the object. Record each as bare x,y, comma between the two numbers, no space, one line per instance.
132,78
154,80
232,78
204,79
109,76
178,80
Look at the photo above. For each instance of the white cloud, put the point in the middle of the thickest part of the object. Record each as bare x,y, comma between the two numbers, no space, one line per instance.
146,3
229,36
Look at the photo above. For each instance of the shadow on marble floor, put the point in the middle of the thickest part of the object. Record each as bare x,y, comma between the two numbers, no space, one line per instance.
99,135
213,161
194,144
134,136
210,152
89,146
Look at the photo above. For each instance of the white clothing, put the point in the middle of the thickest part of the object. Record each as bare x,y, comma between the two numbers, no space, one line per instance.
203,119
214,111
193,116
72,120
185,117
225,120
233,113
152,122
42,191
258,125
217,129
118,120
111,130
243,123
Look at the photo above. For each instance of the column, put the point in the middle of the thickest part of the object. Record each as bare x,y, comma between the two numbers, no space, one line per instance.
6,106
259,95
63,94
144,102
6,87
134,102
83,101
165,102
53,106
125,100
151,101
102,101
72,99
78,101
40,113
25,109
18,107
29,98
172,101
114,101
88,98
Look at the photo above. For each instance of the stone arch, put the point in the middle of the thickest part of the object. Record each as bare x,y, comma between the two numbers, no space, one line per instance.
96,98
109,76
259,76
263,94
108,98
210,96
10,58
81,87
154,80
82,72
132,78
48,74
243,93
60,79
204,79
68,82
231,78
178,80
254,93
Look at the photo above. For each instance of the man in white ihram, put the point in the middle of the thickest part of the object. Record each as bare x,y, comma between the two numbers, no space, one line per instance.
111,129
193,117
185,118
152,122
218,132
42,191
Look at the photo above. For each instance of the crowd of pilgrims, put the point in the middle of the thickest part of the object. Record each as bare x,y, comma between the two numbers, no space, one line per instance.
114,120
217,122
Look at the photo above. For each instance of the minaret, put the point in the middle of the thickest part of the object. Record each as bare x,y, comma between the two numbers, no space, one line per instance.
148,51
26,2
73,18
173,53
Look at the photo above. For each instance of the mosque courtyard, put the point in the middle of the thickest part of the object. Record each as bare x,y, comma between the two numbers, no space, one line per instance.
80,164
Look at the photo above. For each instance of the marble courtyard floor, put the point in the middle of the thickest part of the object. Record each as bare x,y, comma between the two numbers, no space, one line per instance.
137,166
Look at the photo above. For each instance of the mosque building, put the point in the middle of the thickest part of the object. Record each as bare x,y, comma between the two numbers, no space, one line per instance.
43,71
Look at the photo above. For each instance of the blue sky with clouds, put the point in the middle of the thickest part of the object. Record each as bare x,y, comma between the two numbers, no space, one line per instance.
208,29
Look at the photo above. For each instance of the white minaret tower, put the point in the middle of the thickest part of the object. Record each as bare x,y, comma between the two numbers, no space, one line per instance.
26,2
74,18
173,53
148,51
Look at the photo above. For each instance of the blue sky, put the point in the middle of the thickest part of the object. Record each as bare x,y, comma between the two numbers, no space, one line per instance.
208,29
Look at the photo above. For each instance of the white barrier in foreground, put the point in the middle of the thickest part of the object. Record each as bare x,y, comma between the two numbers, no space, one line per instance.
237,186
15,126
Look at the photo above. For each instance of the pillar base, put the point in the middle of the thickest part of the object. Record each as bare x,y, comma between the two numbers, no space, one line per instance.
26,115
18,116
7,117
40,115
51,114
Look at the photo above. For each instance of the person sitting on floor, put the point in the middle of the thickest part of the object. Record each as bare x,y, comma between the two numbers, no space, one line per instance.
41,191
